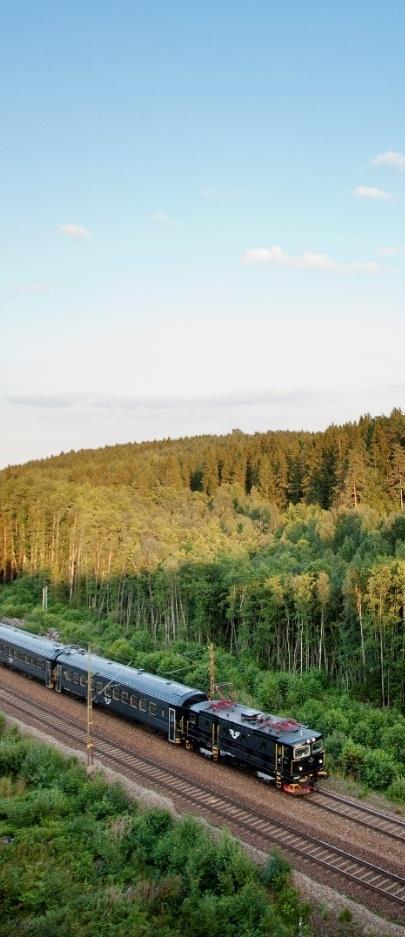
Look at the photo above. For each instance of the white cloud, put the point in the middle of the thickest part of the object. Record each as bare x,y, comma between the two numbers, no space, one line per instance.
210,191
308,260
389,251
34,288
372,191
161,218
390,158
74,231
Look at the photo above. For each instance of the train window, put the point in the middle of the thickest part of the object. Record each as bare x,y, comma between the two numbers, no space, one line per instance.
68,675
76,678
133,702
192,720
83,681
107,691
317,746
125,696
116,693
152,708
99,686
142,705
301,751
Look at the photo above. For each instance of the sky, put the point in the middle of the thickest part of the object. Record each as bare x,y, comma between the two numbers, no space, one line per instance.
202,218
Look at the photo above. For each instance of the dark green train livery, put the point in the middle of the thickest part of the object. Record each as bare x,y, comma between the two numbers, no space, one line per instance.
278,750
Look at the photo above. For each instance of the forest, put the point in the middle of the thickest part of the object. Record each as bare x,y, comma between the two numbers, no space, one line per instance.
286,549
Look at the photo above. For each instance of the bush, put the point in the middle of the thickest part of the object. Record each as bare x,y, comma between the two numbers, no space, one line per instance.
42,765
334,720
393,741
352,758
378,769
396,790
34,807
334,745
12,754
277,871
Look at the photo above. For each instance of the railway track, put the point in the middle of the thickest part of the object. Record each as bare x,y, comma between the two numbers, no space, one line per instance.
232,812
374,820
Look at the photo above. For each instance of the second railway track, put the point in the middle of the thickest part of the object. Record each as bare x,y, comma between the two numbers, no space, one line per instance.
392,827
232,812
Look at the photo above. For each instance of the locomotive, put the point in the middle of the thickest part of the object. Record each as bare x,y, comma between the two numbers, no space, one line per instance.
281,751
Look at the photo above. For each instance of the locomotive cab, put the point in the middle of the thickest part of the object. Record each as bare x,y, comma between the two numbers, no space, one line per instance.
304,759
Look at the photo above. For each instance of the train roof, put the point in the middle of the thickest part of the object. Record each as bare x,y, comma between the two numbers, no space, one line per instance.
285,730
35,643
169,691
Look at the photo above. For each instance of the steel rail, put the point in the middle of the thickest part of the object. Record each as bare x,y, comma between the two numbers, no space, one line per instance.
392,827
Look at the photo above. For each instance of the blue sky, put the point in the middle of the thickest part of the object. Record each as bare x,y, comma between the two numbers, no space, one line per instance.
202,218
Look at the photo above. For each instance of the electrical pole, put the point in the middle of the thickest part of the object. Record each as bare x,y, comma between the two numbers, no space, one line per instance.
90,742
211,669
45,597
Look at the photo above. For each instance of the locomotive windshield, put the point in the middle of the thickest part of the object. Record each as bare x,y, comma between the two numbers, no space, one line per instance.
301,751
317,746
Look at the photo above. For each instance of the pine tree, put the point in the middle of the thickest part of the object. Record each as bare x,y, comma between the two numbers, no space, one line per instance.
396,475
355,482
266,482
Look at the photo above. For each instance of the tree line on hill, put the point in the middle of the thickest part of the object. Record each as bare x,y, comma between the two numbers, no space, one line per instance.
288,545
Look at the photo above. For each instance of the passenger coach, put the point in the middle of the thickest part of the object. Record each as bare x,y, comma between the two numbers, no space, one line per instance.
136,695
30,653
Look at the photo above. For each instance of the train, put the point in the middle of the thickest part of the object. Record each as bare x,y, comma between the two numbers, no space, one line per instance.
278,750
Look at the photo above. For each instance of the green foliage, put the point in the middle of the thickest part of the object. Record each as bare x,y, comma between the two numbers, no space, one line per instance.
353,759
334,745
276,872
345,915
396,790
393,741
378,769
83,860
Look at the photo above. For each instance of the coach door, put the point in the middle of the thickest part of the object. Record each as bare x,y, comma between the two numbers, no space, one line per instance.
48,674
172,725
59,678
